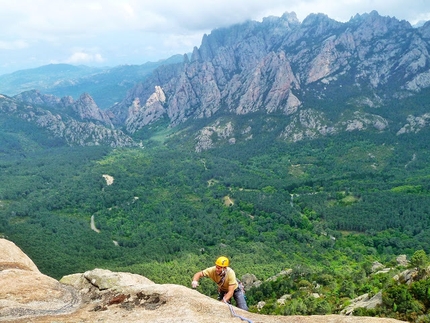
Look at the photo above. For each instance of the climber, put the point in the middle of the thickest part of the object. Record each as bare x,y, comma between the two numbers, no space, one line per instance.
225,278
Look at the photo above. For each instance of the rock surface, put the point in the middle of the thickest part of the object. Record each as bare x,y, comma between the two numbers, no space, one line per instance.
99,295
25,291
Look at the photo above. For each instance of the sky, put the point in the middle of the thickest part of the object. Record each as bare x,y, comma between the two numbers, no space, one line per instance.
125,32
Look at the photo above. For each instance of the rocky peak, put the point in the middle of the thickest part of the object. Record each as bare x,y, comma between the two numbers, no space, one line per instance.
291,18
87,109
34,97
319,23
425,30
76,123
67,101
373,25
140,115
278,27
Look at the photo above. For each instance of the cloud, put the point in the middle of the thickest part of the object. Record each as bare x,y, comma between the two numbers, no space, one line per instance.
343,10
11,45
114,32
84,58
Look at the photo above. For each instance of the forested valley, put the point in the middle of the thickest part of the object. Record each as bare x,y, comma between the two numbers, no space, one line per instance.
326,208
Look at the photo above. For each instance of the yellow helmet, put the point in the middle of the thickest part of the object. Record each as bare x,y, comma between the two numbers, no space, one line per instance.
222,261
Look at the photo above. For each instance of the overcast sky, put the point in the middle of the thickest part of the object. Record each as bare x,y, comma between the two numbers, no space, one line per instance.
117,32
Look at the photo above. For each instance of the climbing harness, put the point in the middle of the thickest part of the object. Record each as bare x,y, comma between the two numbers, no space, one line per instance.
224,274
233,313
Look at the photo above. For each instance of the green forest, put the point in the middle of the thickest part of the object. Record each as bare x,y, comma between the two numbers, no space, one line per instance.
325,208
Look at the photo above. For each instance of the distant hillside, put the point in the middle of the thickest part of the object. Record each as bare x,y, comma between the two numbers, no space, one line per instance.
106,85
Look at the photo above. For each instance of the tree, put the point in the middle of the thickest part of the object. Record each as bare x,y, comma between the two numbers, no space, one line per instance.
419,259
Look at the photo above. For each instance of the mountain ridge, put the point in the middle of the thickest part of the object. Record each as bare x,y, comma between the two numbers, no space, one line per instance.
105,84
319,77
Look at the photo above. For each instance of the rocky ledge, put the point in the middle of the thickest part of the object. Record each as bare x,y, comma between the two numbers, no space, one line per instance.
99,295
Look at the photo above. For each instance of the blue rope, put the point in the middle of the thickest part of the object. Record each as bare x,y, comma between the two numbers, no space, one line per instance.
234,314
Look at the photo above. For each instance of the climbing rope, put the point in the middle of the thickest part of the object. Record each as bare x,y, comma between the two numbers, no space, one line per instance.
233,313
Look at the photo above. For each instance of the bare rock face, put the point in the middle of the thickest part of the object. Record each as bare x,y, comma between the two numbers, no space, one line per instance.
11,257
87,109
89,126
36,98
152,110
402,260
26,292
363,301
99,295
415,124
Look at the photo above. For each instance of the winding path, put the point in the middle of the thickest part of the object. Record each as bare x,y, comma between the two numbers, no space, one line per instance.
93,225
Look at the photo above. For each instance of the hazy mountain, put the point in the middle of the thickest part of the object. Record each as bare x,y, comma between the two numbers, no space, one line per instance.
106,85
